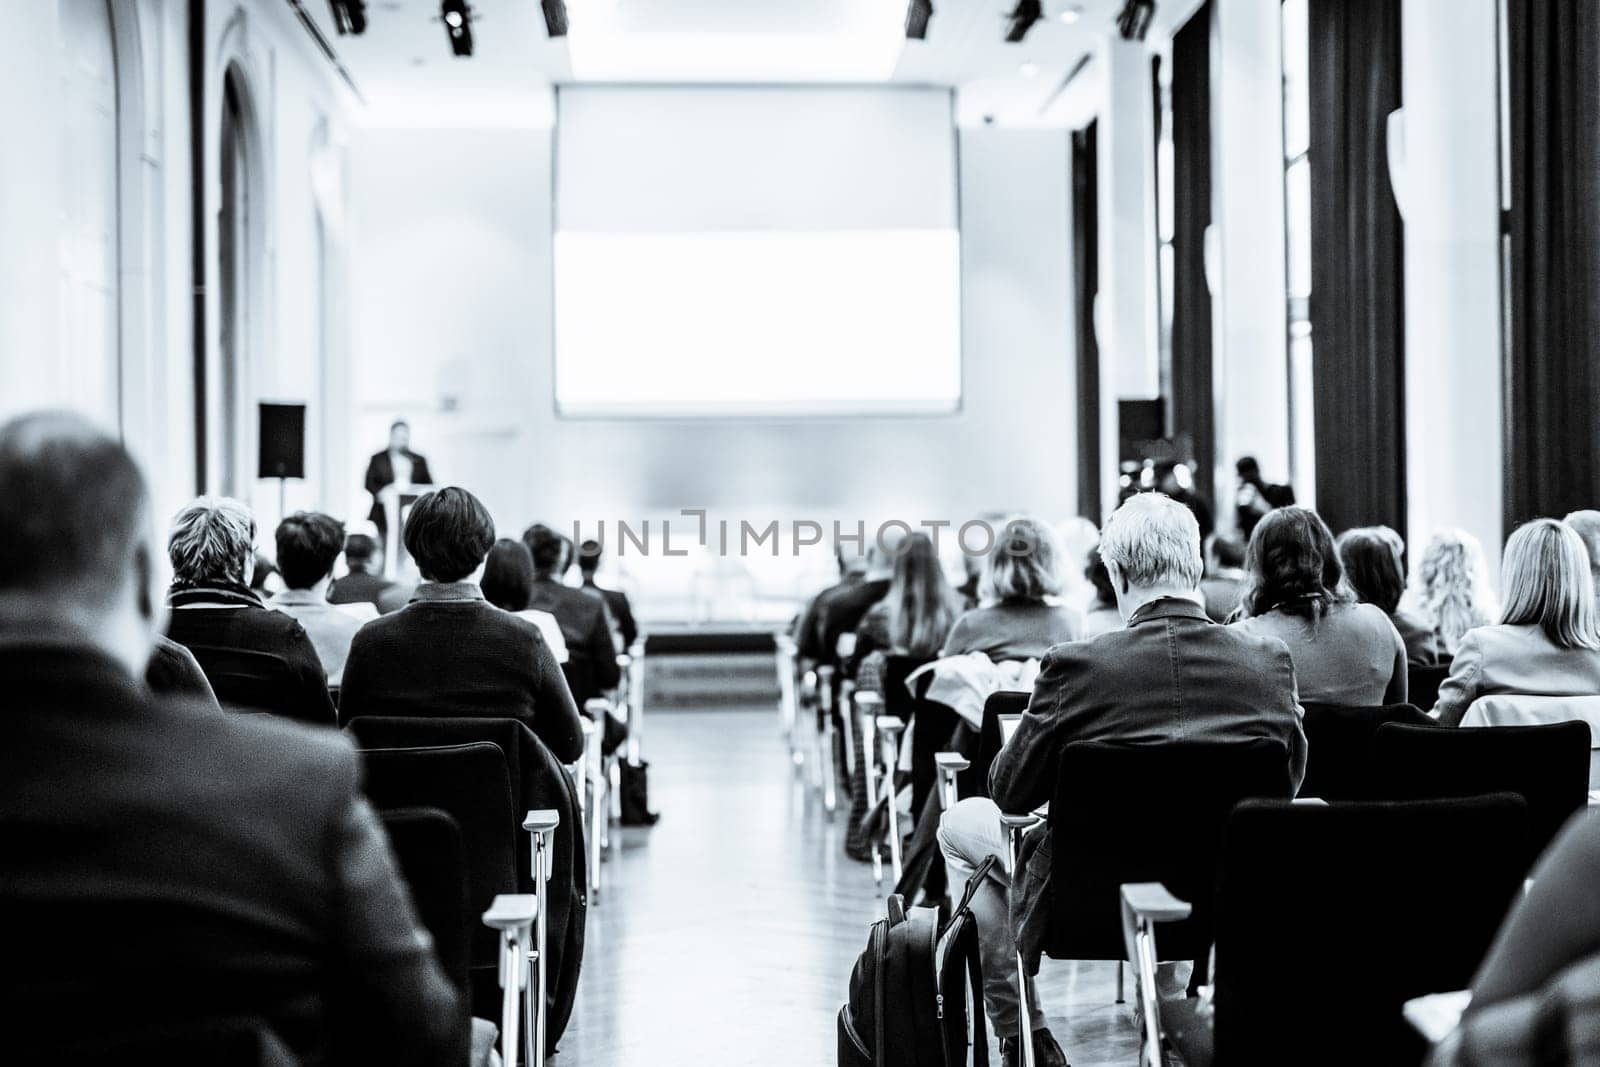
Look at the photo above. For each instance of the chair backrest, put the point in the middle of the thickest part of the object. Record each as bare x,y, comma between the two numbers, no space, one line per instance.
1548,766
1422,684
1147,813
974,781
1329,917
426,843
249,681
1518,710
470,783
1337,743
935,722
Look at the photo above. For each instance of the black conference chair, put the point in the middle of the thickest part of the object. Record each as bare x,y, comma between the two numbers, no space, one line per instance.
1422,684
426,843
1338,740
539,782
1327,919
1548,766
1142,813
259,682
973,781
932,723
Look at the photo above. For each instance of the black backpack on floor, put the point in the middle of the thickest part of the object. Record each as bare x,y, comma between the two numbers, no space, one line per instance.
908,1007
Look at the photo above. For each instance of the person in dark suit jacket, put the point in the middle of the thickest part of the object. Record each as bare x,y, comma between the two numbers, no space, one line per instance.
451,652
585,620
255,659
174,672
364,584
616,600
1171,675
397,463
243,872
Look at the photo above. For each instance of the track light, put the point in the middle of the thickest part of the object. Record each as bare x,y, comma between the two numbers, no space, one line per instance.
917,16
555,17
457,16
1134,21
1022,19
349,16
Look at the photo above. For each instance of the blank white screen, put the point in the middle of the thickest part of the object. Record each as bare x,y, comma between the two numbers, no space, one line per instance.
756,252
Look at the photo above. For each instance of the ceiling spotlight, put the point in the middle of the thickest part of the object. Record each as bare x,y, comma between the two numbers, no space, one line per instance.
1071,14
349,16
1029,70
917,16
457,16
1022,19
1134,21
555,17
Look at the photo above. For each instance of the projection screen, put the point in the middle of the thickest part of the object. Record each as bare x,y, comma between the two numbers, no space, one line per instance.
756,252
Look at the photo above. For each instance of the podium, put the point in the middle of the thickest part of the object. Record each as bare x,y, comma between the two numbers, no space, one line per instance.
397,500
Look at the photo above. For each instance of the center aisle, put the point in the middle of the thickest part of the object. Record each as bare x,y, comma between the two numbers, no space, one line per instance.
726,934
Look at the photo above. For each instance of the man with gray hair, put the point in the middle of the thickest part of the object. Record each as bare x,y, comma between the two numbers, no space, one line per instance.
1169,675
242,871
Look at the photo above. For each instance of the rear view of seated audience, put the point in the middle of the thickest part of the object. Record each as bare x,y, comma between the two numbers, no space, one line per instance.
255,659
841,609
1224,582
1017,620
308,545
1372,566
585,620
232,859
589,554
365,583
1120,687
508,583
1453,594
914,618
1344,652
1548,640
1103,616
451,652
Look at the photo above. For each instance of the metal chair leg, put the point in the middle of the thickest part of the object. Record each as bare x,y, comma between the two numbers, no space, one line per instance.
1015,825
542,825
890,727
867,707
1120,998
514,916
824,771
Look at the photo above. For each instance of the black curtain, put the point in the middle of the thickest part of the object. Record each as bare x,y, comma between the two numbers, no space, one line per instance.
1085,286
1357,266
1552,434
1193,391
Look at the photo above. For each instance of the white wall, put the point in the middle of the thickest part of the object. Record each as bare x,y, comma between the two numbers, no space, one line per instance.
450,306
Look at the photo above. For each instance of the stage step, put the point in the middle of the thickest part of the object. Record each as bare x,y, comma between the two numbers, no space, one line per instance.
710,680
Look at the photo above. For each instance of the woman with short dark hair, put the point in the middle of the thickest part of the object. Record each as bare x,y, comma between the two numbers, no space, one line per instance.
508,583
1376,576
1344,652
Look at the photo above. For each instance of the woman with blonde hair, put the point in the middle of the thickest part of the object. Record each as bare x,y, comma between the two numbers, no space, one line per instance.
1548,640
1453,588
1022,578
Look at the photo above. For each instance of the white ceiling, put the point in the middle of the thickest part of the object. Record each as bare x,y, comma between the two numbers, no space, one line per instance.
404,68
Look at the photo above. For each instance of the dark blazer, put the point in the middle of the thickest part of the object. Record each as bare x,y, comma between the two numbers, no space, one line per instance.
235,859
360,588
838,611
585,624
174,672
279,670
450,652
380,472
621,612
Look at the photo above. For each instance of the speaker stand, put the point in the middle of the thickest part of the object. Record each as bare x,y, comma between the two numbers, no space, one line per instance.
283,498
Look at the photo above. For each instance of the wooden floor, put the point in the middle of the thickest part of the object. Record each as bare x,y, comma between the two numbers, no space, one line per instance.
726,934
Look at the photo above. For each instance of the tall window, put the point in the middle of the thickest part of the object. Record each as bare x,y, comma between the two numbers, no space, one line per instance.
1297,243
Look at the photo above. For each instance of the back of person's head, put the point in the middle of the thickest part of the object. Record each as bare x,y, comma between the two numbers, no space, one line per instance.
308,544
882,549
1453,583
1151,542
508,575
1024,562
1587,525
213,542
1372,567
1248,469
361,553
1226,552
448,533
548,550
1105,594
1546,578
589,555
75,524
921,603
1293,565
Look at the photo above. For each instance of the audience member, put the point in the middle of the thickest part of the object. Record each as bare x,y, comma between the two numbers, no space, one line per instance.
1548,640
1344,652
1587,525
1078,537
913,619
365,583
1103,616
839,611
1176,480
852,569
589,554
1120,687
265,581
585,620
215,615
508,585
1018,621
1373,568
1256,496
308,544
450,652
1224,583
174,672
1453,588
232,859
